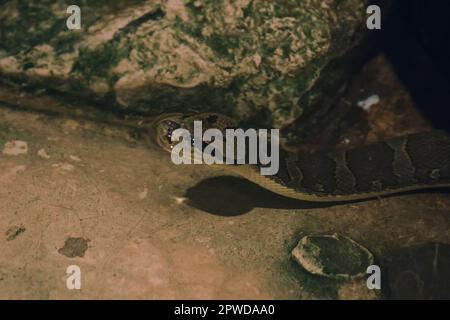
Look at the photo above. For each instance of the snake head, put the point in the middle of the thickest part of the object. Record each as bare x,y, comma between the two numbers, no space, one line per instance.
163,128
166,124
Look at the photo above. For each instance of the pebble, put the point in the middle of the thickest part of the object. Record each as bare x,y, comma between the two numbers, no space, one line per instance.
43,154
369,102
15,148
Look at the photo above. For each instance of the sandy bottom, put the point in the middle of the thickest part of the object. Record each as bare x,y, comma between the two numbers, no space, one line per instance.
139,227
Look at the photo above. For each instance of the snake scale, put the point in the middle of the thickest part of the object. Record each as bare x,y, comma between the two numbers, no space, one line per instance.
414,162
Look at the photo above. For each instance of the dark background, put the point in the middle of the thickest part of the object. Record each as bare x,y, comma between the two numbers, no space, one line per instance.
416,40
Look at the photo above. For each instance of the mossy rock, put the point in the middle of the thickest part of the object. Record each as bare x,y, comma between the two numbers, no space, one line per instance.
255,60
332,256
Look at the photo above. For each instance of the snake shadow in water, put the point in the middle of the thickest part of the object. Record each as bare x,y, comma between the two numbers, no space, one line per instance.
234,196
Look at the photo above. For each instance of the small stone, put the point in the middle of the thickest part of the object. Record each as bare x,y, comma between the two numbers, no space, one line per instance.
332,256
180,200
75,158
142,195
346,141
74,247
15,148
368,103
43,154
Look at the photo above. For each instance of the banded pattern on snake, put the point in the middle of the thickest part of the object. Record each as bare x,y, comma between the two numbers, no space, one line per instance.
413,162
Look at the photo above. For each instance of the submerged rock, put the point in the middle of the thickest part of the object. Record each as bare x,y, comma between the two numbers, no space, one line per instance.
255,60
332,256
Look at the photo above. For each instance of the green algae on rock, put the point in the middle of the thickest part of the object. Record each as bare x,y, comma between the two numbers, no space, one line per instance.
255,60
332,256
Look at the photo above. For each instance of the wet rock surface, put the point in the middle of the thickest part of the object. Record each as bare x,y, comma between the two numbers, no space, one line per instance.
256,60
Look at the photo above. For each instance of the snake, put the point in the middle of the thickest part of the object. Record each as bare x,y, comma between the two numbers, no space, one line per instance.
402,164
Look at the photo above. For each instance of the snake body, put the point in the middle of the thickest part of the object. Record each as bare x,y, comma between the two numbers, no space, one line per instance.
412,162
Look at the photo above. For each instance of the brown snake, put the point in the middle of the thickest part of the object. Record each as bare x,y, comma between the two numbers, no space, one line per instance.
413,162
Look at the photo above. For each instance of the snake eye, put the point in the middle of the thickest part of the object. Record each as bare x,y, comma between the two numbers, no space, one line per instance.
172,124
171,127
